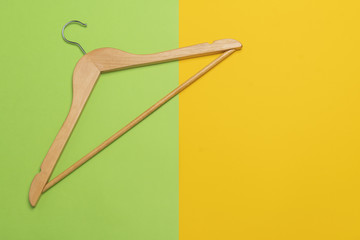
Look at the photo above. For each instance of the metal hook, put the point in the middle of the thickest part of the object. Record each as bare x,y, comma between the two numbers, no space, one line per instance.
62,32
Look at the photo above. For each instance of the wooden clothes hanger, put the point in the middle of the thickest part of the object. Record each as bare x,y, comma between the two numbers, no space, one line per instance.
87,72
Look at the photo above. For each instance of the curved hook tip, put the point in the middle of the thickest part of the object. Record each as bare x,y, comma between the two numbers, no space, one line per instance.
71,42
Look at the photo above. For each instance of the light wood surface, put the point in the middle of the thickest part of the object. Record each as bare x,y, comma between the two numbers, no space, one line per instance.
85,75
137,120
111,59
84,79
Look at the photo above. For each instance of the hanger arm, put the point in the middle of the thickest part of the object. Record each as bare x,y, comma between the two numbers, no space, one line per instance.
84,78
111,59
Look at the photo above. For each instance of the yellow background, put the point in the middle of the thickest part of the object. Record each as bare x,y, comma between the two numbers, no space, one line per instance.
269,140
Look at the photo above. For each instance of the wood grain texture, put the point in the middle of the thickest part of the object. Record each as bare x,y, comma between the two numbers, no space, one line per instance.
84,78
110,59
85,75
137,120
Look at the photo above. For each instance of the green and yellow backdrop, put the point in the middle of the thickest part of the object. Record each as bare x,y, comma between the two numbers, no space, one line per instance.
265,146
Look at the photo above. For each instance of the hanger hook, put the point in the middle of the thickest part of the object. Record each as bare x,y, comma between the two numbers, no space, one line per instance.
63,29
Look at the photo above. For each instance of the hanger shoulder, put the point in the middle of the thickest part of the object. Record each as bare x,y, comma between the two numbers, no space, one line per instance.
84,79
110,59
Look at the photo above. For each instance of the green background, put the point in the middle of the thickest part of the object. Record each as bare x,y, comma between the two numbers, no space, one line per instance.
128,191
